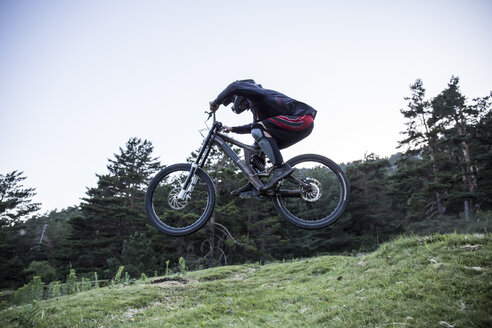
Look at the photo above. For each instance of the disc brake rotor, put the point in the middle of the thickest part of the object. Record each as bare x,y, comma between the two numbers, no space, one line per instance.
173,200
315,193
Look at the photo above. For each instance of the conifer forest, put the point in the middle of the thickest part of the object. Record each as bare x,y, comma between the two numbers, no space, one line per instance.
438,181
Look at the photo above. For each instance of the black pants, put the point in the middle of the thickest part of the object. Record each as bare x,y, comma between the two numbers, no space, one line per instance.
288,130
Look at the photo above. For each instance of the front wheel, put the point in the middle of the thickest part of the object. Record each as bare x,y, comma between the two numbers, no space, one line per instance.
175,215
323,202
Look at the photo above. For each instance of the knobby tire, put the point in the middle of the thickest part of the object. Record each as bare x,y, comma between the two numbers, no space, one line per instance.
160,217
326,214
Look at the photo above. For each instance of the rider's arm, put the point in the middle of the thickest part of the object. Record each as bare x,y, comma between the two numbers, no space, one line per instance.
242,129
238,88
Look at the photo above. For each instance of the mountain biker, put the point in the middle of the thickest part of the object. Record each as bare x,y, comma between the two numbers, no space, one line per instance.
278,123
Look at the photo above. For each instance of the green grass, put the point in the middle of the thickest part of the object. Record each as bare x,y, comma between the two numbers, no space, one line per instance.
435,281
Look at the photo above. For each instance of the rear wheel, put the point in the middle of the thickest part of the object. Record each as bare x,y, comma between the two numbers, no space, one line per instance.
323,202
172,215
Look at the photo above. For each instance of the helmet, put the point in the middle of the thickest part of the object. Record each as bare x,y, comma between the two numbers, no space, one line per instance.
240,104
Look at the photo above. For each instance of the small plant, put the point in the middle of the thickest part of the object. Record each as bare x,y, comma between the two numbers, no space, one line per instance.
96,280
117,279
143,276
167,267
37,288
21,295
71,285
85,284
182,265
29,292
54,289
26,317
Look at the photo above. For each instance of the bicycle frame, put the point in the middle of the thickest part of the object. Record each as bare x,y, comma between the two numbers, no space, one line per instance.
313,196
214,137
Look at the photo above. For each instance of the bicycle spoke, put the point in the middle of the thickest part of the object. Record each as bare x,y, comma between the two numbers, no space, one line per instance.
323,197
173,215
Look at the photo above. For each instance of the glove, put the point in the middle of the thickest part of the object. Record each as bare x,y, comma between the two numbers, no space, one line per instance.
214,106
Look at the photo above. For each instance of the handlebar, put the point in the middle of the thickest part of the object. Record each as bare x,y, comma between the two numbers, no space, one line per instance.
211,114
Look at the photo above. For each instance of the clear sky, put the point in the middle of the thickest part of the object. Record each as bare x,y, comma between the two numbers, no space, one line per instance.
79,78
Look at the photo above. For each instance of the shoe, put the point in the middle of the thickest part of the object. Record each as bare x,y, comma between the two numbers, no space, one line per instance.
248,194
246,188
252,194
279,173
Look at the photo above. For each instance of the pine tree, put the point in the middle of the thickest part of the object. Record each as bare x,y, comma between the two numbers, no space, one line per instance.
138,255
421,141
481,146
113,211
15,206
371,206
452,117
15,200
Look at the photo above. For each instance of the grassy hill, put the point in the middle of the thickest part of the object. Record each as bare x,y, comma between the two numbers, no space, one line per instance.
435,281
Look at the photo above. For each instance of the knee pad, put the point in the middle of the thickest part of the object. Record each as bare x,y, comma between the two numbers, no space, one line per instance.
257,134
268,145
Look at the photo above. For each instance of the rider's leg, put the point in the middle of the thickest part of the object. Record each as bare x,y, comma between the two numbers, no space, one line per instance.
267,144
270,148
286,135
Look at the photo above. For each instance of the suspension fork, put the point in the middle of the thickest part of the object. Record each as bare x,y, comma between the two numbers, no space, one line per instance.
191,179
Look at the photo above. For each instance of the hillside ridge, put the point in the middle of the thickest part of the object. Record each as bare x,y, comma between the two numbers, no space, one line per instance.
431,281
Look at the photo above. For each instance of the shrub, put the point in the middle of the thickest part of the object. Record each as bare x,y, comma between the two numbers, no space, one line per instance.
27,316
54,289
85,284
42,269
182,265
30,292
71,285
117,279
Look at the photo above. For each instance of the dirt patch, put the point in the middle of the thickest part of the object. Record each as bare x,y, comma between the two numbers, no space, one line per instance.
176,281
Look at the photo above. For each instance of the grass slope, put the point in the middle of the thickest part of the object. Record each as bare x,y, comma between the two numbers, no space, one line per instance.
436,281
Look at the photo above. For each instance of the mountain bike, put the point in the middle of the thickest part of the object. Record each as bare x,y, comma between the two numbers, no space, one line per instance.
181,198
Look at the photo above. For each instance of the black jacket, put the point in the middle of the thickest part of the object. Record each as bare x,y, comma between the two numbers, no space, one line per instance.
266,103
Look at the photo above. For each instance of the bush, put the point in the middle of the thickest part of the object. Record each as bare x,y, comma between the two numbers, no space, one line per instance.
27,316
182,265
118,279
30,292
54,289
71,285
85,284
42,269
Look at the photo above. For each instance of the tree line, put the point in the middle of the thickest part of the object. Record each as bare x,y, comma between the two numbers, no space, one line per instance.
440,181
